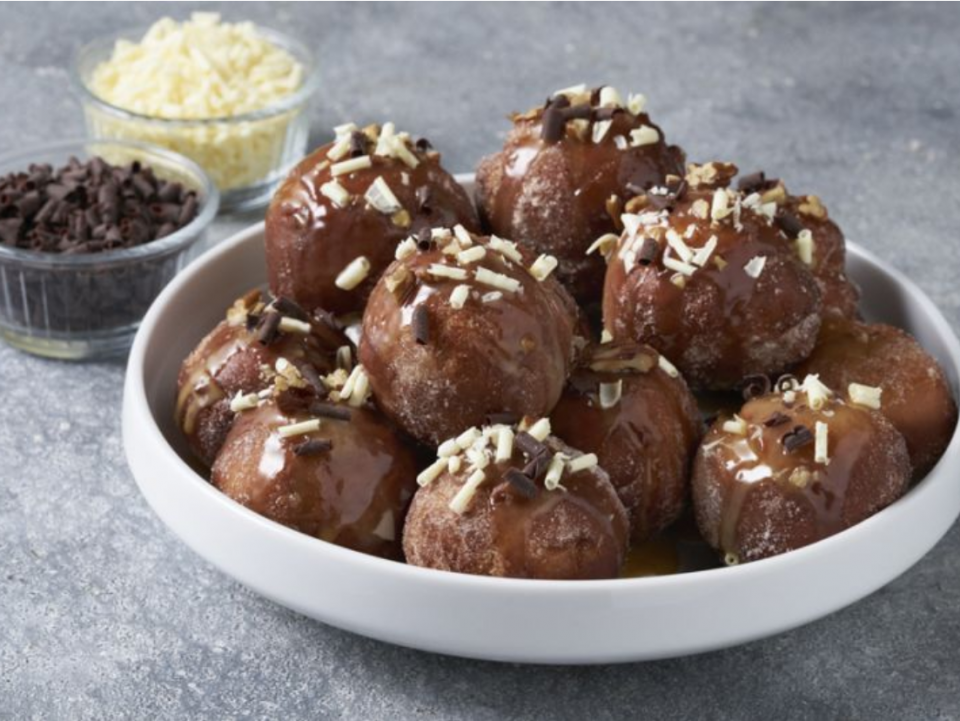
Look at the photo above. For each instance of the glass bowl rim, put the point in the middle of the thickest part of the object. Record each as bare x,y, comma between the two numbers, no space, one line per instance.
289,102
185,236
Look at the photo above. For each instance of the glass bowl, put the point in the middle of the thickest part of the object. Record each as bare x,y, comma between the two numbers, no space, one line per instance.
89,305
246,155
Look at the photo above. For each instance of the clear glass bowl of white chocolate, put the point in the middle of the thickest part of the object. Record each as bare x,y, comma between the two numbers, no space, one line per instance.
230,96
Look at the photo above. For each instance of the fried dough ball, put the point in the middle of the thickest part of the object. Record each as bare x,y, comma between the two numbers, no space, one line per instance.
628,405
565,174
792,468
816,239
502,502
230,361
331,230
460,328
348,481
916,395
704,276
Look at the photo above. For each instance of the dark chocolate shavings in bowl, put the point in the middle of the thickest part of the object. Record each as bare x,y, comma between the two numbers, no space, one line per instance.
90,207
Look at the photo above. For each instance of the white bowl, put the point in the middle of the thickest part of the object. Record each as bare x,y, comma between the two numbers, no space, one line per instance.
559,622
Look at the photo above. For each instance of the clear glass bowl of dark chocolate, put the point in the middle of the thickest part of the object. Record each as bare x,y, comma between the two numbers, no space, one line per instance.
90,233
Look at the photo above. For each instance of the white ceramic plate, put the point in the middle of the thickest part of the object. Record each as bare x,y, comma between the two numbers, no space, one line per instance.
559,622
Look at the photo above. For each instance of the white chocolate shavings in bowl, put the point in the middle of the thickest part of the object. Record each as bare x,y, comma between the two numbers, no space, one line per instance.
208,71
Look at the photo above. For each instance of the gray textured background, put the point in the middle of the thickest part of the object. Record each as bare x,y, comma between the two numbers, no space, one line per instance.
103,613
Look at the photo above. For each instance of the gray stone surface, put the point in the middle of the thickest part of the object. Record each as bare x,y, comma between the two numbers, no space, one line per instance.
103,613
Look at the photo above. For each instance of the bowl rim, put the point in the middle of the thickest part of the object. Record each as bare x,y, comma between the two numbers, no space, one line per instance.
209,206
288,43
135,388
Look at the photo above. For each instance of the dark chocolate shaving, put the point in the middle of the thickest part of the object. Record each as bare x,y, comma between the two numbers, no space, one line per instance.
358,144
797,438
269,328
789,224
648,251
553,124
537,466
330,410
754,386
424,239
529,445
577,112
776,419
423,145
313,379
507,419
313,447
421,325
521,483
290,308
753,182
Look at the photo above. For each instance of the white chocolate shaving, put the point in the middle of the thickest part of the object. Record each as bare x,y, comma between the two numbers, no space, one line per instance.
720,207
610,97
551,481
804,247
299,429
345,167
820,443
600,129
636,103
817,393
606,337
606,244
471,255
582,463
354,274
736,425
382,198
459,296
620,142
406,249
463,235
679,266
337,194
504,445
868,396
447,271
491,297
680,248
459,503
667,367
292,325
506,248
644,135
496,280
702,256
432,472
243,402
540,430
755,266
543,266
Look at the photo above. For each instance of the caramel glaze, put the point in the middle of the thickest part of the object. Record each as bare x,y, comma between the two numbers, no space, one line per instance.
753,498
228,361
309,240
645,442
553,196
509,355
916,395
354,495
577,533
724,324
840,295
